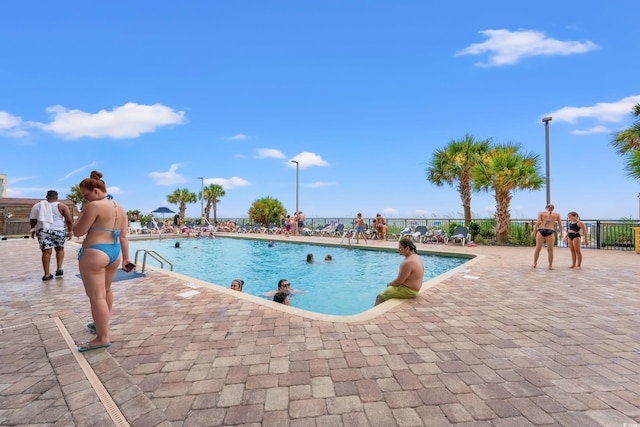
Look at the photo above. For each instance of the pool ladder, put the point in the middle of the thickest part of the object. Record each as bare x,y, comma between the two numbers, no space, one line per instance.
153,254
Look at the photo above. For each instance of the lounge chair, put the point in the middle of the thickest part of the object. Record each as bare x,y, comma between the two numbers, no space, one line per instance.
270,229
135,227
321,230
419,233
405,232
338,230
436,236
152,226
460,234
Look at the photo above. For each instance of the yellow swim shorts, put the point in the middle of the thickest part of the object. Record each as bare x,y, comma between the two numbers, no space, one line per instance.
401,292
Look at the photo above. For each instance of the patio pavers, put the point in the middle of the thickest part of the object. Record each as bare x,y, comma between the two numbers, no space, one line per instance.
496,342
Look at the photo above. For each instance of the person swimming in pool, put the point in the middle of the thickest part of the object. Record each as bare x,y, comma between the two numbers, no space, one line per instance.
544,231
237,285
409,280
281,297
283,286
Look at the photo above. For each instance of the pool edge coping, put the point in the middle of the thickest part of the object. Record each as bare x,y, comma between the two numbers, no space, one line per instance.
364,316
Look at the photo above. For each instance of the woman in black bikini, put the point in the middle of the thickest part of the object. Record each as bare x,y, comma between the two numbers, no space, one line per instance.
575,230
544,231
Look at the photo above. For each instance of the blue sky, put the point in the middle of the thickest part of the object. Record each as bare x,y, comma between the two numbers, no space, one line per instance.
155,94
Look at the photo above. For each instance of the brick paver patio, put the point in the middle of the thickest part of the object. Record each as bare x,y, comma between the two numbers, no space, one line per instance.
493,343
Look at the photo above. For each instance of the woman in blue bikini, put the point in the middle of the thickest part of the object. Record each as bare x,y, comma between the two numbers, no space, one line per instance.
544,230
105,225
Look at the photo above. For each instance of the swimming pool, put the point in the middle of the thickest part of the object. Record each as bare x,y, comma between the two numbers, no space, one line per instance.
345,286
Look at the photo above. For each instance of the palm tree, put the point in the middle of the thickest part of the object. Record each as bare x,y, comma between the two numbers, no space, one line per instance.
505,170
181,197
266,210
76,197
627,144
212,195
452,164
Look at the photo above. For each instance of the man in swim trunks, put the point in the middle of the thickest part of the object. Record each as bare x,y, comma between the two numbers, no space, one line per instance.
410,276
544,230
359,223
300,220
54,235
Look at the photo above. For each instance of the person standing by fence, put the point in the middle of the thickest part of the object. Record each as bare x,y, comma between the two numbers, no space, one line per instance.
575,230
545,230
379,224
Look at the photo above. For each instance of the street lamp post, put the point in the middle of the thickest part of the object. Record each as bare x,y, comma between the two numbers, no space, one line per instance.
638,206
201,197
546,121
297,176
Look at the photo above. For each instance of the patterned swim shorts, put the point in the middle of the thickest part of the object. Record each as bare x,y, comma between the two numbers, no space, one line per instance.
51,238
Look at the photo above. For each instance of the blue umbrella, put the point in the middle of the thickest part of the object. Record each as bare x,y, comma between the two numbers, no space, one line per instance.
163,211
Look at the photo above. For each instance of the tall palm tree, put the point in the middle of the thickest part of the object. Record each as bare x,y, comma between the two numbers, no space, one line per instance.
452,165
505,170
627,144
212,195
181,197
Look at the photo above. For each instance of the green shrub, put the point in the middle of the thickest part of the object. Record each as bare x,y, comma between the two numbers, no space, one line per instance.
474,229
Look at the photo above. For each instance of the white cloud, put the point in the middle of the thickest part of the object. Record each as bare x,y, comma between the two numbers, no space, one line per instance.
390,211
228,184
320,184
614,112
238,137
306,160
595,129
80,169
114,190
128,121
11,125
168,178
19,179
506,47
269,153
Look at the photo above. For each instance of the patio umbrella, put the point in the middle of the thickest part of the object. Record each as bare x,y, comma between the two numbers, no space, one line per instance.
162,210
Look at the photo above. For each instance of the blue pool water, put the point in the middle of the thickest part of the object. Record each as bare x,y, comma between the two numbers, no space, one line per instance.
345,286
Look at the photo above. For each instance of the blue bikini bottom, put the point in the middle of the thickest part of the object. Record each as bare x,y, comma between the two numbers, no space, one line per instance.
112,250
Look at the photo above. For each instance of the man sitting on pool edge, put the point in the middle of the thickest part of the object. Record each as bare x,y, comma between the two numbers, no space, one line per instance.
410,276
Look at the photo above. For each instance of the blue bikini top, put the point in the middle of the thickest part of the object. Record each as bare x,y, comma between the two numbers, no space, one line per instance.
116,233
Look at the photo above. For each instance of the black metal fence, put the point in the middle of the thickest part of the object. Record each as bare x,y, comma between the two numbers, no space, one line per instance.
603,234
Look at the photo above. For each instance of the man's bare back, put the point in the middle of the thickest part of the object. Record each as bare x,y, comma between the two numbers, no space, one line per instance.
409,280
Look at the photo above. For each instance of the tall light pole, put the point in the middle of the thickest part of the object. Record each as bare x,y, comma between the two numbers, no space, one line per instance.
546,121
201,197
638,206
297,176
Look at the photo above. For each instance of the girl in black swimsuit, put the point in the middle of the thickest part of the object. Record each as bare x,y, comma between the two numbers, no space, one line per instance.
575,230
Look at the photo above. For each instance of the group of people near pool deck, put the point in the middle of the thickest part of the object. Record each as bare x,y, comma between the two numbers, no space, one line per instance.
545,229
292,224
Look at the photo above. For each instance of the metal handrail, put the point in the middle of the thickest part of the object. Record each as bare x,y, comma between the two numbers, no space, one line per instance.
153,254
